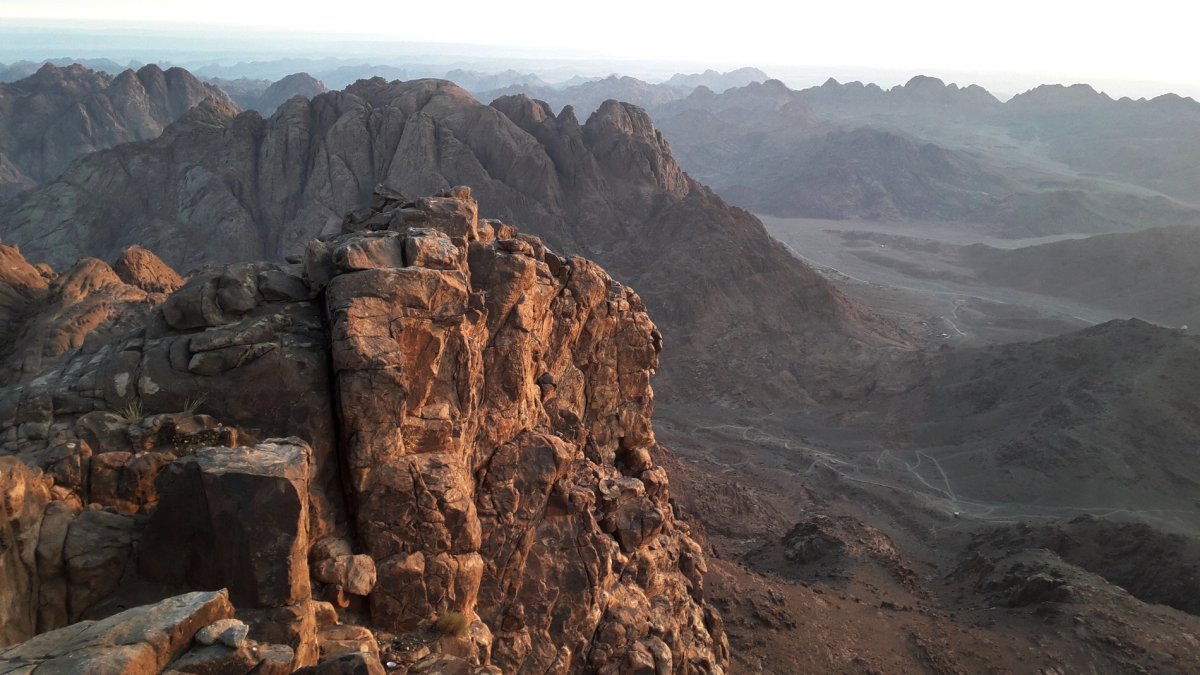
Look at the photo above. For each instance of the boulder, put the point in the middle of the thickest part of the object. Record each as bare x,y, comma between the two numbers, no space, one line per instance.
140,267
137,641
442,664
380,250
337,640
354,573
293,626
246,492
216,659
229,632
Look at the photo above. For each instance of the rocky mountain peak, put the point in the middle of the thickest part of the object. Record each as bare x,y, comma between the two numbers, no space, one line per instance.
525,111
566,116
73,77
927,82
432,414
624,141
1057,96
933,90
772,86
211,111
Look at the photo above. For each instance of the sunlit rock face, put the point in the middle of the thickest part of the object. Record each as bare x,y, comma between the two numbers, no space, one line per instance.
429,415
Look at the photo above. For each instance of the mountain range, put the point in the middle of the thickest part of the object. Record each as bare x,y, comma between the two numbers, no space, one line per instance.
439,414
219,185
57,114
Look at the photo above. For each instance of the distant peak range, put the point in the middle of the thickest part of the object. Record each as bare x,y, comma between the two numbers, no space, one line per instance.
918,88
1050,95
1053,160
587,94
266,96
23,69
718,81
59,113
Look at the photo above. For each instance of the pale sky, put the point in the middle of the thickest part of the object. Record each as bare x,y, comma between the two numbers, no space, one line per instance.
1058,40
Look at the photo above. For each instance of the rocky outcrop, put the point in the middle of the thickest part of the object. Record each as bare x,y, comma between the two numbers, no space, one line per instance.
533,396
50,315
486,497
59,113
746,320
1154,566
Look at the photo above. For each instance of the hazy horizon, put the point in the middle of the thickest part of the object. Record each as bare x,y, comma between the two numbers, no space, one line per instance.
1006,50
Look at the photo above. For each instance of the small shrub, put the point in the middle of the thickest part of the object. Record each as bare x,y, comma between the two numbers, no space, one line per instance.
451,623
194,404
132,412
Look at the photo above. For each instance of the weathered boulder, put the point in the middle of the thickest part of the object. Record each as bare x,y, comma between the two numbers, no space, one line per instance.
216,659
354,573
140,267
337,640
251,534
293,626
382,249
443,664
135,641
248,657
229,632
222,295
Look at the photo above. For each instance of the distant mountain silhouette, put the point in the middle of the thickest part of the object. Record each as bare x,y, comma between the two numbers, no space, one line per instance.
53,116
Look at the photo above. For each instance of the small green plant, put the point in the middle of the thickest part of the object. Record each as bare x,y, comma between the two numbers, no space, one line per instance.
451,623
193,404
131,412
